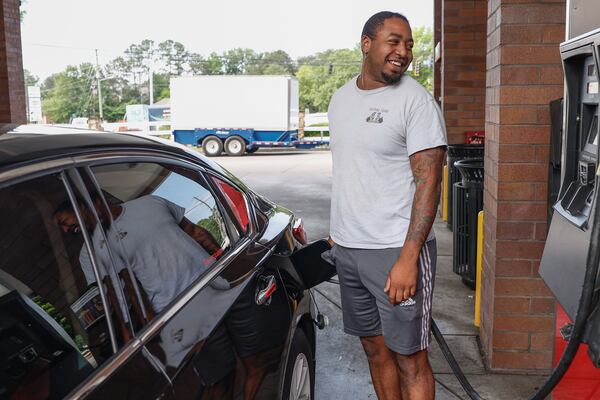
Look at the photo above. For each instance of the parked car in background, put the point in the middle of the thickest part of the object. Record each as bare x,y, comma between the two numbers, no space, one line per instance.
97,300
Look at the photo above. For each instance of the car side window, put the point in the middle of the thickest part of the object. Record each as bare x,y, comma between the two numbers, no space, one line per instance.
167,222
53,321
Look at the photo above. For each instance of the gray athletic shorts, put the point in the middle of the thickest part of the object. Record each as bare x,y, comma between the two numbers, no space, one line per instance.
366,307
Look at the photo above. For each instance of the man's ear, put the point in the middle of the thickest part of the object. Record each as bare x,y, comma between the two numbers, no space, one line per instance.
365,44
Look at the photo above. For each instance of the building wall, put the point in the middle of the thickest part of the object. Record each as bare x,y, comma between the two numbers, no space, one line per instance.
12,87
523,75
462,80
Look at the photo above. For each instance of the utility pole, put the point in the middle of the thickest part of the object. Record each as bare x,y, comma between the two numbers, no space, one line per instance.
99,87
151,79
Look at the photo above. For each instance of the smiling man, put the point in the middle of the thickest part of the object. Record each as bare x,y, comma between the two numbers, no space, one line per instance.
388,143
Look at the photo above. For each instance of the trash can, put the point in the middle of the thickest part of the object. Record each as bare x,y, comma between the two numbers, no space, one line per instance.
458,152
467,197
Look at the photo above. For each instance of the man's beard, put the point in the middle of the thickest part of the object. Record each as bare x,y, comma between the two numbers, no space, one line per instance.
391,79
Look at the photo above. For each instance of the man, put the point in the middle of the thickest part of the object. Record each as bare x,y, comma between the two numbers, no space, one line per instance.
388,144
165,250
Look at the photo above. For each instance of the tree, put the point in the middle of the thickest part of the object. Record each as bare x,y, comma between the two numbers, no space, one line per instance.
173,56
213,65
271,63
321,75
235,61
29,78
70,93
423,56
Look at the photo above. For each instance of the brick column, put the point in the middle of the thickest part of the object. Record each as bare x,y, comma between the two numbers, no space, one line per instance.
523,75
463,66
12,86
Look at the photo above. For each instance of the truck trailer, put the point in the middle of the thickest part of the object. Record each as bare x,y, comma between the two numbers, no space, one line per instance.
236,113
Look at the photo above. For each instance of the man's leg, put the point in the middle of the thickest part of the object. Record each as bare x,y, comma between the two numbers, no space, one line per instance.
383,368
416,376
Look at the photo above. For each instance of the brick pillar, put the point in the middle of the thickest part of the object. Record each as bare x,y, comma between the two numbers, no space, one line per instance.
463,66
523,75
12,86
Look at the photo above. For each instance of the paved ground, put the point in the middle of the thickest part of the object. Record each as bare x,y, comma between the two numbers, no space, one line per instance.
301,181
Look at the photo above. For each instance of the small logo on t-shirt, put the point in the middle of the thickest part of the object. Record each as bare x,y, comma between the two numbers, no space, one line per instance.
375,117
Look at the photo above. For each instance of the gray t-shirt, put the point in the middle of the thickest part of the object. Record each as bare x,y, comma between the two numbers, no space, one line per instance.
373,133
164,258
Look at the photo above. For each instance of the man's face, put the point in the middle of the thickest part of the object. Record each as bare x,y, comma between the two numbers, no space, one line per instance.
388,55
67,221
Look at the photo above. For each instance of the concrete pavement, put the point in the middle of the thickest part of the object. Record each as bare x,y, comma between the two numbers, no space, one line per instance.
301,181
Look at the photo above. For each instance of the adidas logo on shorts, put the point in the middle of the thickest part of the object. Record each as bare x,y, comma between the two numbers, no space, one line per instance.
407,303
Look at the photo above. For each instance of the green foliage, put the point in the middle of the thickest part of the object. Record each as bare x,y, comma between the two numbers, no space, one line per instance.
211,224
29,78
54,314
68,94
423,56
125,80
321,75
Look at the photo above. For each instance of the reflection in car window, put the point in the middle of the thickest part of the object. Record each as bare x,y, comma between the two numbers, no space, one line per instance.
168,224
53,330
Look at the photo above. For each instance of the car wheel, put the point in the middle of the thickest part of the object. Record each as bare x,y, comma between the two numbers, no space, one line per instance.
299,381
235,146
212,146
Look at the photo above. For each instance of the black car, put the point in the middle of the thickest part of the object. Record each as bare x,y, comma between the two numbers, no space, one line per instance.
135,269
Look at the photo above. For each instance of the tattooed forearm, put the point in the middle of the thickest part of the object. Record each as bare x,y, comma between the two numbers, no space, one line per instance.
427,172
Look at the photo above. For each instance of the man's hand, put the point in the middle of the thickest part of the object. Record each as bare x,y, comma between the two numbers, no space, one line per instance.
426,167
330,241
401,283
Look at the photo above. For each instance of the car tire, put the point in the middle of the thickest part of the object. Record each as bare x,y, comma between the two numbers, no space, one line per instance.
299,381
212,146
235,146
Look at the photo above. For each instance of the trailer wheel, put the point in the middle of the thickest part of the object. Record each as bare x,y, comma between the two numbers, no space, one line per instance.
212,146
235,146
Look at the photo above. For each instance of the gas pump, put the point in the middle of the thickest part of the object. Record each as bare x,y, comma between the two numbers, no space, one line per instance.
564,262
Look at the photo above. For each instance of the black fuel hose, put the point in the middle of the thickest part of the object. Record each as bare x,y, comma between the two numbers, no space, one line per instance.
583,312
462,379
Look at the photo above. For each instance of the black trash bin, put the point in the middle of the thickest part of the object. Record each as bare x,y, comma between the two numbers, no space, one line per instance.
458,152
467,202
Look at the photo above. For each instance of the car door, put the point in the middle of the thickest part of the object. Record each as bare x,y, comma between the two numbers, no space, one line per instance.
211,333
58,332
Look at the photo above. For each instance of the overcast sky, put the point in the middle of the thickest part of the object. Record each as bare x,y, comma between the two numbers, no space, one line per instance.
56,33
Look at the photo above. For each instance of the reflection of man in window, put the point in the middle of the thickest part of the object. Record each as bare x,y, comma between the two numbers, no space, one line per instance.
165,251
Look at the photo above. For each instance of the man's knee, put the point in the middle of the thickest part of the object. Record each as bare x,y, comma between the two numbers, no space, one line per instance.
411,366
375,348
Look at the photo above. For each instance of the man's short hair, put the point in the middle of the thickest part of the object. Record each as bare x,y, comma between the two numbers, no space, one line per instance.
374,24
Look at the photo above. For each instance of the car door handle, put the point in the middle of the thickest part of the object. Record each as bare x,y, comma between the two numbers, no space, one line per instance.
267,285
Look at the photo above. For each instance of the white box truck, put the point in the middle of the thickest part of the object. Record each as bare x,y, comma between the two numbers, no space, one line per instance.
235,113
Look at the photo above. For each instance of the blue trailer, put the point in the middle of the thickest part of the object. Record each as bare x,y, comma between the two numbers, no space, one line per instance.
265,108
236,142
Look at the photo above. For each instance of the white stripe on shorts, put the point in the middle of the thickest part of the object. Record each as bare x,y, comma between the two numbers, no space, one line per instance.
427,297
427,291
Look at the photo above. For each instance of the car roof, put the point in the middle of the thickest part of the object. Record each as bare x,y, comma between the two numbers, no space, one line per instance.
28,143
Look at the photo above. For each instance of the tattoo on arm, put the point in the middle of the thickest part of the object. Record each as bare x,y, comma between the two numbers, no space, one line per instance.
426,167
